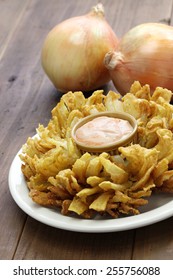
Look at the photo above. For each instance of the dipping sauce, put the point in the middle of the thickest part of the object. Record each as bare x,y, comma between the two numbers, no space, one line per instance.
103,130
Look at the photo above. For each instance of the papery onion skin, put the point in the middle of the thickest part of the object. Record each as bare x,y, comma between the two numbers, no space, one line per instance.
73,52
145,54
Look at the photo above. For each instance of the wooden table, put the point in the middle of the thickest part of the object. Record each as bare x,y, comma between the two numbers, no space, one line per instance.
26,99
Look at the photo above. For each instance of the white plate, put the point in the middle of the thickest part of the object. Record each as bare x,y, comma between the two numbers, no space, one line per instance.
159,208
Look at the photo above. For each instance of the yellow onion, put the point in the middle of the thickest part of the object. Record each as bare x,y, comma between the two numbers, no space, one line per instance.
145,53
73,52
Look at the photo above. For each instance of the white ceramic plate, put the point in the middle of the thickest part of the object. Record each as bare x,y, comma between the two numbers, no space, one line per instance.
159,208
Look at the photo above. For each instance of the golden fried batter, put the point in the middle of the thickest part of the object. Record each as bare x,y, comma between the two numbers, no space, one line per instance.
59,175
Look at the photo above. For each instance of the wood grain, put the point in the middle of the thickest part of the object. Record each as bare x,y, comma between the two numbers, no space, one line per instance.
43,242
11,13
27,98
154,242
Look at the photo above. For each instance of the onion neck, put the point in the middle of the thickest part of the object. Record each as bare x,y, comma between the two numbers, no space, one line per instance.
113,59
98,10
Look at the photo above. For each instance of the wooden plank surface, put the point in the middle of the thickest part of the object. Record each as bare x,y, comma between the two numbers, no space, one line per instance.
26,99
11,13
154,242
43,242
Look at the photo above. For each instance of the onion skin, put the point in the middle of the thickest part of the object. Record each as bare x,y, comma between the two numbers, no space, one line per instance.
73,52
145,54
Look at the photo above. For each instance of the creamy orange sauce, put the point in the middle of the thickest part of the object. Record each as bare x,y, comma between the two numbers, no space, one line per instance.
102,131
